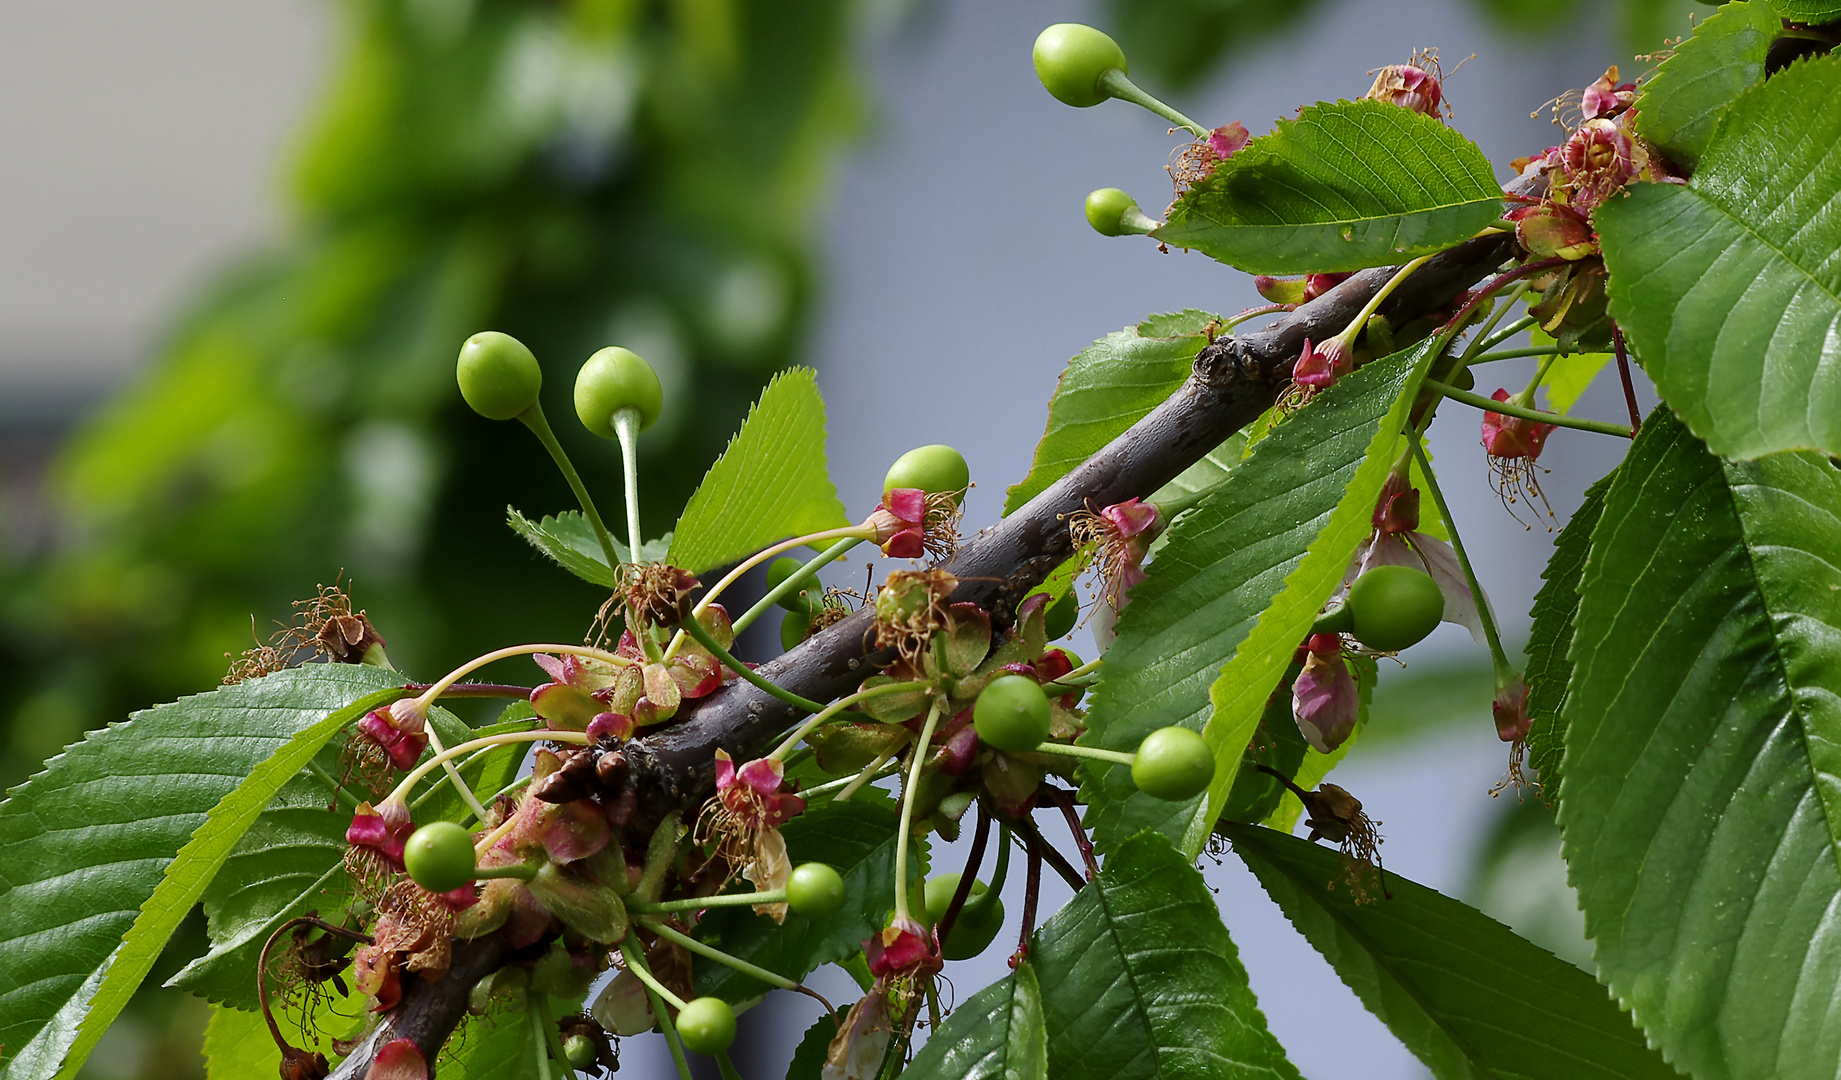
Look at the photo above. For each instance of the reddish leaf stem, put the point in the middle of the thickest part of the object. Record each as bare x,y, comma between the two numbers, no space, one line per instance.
1623,372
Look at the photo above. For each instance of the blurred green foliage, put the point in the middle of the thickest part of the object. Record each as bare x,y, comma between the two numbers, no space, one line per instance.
573,173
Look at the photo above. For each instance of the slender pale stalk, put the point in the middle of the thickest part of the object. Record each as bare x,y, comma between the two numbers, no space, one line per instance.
704,638
838,706
1374,302
1504,671
626,429
1502,309
851,782
655,991
533,418
698,903
1507,332
712,953
1117,757
637,966
1115,83
436,689
504,738
870,772
726,1067
854,533
1602,427
539,1045
453,774
553,1036
1513,354
907,810
796,581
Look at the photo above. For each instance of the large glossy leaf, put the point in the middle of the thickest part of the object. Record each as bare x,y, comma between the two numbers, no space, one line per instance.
291,861
1701,805
771,483
105,851
1730,287
857,839
1551,636
1678,107
1345,185
1466,995
1140,980
997,1035
1208,635
570,540
1109,387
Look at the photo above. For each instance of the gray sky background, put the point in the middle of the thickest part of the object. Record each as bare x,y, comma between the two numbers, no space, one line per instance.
146,147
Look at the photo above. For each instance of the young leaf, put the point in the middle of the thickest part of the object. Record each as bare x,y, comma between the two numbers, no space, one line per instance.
291,861
1140,980
1551,636
1701,806
1344,186
1729,287
1679,105
771,483
1109,387
92,888
997,1035
570,540
1463,992
857,839
1238,584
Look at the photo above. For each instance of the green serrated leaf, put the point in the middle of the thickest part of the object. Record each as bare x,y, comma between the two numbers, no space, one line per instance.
92,888
1808,11
1467,996
809,1057
1344,186
1701,805
771,483
570,541
291,861
1211,630
1109,387
857,839
1204,474
1140,979
238,1046
1551,635
997,1035
1678,107
1729,288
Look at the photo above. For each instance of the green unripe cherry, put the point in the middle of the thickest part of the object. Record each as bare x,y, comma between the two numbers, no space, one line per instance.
807,600
934,469
706,1025
1061,616
497,375
978,922
615,379
580,1052
1070,58
1012,714
814,891
1393,607
439,856
1173,763
795,627
1106,210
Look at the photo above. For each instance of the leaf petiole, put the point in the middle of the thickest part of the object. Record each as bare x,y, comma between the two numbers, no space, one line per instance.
1602,427
704,638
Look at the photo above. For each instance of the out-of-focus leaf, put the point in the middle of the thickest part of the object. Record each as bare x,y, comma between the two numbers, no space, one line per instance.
1729,287
1109,387
1207,636
1702,794
570,540
1469,998
771,483
1343,186
1140,979
1178,43
1679,105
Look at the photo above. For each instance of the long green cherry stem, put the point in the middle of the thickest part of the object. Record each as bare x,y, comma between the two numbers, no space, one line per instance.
876,768
726,1068
534,419
539,1045
1114,82
796,581
1602,427
437,689
908,790
446,761
626,428
779,752
1496,316
710,952
1117,757
1507,332
853,533
1513,354
504,738
1374,302
550,1032
1504,671
637,966
656,994
704,638
698,903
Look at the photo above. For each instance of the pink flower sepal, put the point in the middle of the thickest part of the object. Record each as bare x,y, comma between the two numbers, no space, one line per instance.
384,829
1324,699
902,946
1512,436
753,792
900,522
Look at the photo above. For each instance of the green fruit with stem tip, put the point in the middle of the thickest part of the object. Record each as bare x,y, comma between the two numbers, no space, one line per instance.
580,1052
1012,714
497,375
795,627
439,856
934,469
1070,58
1061,617
1106,210
979,920
706,1025
615,379
1173,763
814,891
1394,607
806,600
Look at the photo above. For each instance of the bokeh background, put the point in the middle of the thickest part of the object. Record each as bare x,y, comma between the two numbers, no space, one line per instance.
240,241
